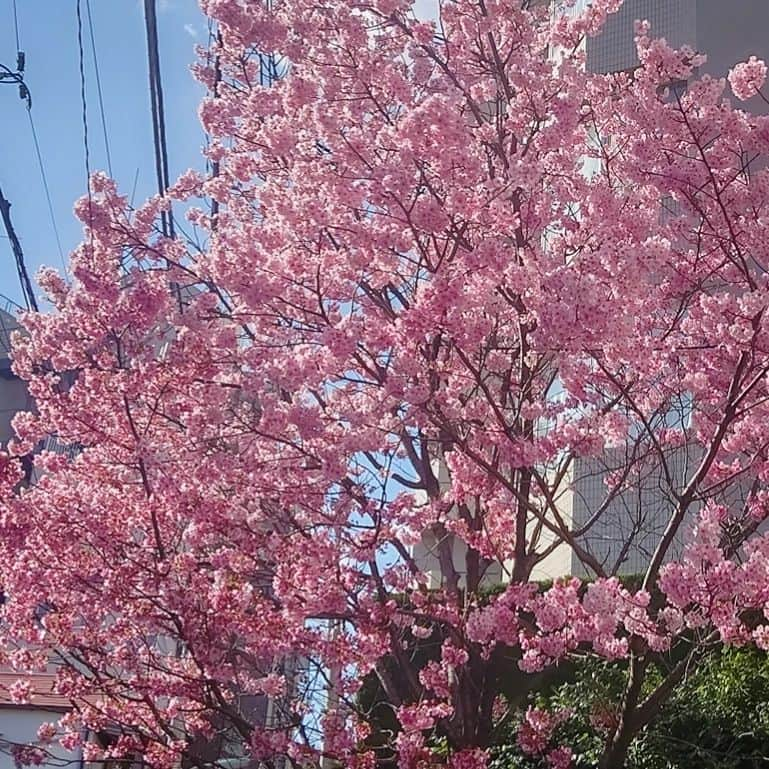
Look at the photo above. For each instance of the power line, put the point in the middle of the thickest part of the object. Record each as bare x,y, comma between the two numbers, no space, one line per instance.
84,102
154,102
159,125
83,96
47,189
133,187
215,168
25,94
98,84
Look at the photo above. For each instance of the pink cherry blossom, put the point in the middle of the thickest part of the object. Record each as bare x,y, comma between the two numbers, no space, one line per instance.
456,319
20,691
747,78
559,758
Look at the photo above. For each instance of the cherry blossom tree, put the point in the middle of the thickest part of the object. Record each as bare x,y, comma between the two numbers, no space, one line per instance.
434,269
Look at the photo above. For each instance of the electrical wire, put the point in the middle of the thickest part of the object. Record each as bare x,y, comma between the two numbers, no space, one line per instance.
98,84
83,95
159,126
26,95
27,289
133,188
148,7
84,102
47,189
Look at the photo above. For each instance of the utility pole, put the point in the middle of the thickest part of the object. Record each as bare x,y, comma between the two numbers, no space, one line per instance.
18,254
8,76
158,112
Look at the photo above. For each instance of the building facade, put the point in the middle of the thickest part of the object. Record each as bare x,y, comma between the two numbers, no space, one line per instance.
726,32
621,531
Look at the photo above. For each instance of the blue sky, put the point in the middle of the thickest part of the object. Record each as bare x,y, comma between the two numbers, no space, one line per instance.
48,36
48,32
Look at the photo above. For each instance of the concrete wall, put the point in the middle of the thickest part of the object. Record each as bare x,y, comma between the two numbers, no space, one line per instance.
561,560
625,534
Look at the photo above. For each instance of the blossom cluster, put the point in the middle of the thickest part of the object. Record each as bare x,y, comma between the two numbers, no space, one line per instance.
434,270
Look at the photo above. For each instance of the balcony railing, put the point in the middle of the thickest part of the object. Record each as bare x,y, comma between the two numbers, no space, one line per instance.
9,305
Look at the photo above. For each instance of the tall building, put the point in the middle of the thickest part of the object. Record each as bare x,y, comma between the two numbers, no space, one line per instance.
624,538
726,32
622,530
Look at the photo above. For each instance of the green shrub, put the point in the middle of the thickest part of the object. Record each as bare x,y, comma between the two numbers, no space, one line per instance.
718,718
